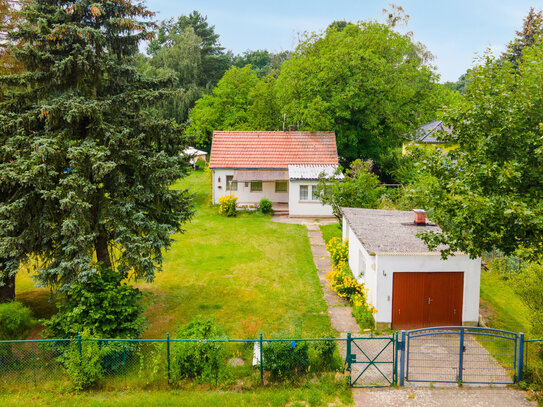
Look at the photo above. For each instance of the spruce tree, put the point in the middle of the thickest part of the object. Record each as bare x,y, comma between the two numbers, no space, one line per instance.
85,168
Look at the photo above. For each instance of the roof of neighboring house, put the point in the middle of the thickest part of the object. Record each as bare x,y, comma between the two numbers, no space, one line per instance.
312,172
272,149
193,151
389,232
429,132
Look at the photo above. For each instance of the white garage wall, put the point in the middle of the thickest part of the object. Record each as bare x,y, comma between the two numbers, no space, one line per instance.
388,265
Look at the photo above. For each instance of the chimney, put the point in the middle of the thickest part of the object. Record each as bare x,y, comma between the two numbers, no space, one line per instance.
420,217
291,128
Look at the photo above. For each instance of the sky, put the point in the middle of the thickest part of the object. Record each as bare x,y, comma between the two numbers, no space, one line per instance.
457,32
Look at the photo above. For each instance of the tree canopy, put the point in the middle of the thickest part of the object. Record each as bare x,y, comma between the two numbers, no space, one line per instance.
489,192
240,101
367,82
87,167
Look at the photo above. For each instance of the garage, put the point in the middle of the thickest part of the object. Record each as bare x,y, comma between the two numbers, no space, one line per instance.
408,284
421,300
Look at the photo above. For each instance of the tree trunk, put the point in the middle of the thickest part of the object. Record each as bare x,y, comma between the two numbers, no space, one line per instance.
100,244
7,288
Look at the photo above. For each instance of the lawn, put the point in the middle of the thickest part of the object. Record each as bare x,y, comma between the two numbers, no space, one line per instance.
234,269
330,231
504,308
324,392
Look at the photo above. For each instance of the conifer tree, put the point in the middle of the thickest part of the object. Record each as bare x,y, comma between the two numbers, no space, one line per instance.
85,168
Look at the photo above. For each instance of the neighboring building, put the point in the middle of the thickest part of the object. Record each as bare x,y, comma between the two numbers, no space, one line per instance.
409,285
195,155
431,135
282,166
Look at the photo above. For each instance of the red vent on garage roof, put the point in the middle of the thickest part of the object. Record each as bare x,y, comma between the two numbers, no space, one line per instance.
420,216
272,149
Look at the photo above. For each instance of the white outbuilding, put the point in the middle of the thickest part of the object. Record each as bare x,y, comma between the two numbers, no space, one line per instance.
409,285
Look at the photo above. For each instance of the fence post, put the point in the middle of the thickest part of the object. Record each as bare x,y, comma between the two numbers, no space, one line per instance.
461,357
261,360
520,357
402,358
124,361
348,352
79,342
168,353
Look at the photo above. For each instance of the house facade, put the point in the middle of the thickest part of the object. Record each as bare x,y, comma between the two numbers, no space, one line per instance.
281,166
409,285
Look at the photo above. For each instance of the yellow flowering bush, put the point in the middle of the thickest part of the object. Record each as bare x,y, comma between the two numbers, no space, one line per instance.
342,281
338,249
227,205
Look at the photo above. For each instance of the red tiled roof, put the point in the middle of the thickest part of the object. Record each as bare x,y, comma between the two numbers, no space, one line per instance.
271,149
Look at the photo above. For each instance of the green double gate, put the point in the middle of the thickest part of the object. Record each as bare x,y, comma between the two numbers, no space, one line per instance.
372,360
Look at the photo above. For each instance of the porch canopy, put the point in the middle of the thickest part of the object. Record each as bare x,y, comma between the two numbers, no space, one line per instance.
259,175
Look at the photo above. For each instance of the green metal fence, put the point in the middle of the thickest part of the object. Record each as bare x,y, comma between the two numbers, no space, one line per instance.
157,363
533,359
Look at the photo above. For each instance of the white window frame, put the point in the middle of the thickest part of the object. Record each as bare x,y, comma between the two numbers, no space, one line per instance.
281,182
306,188
230,184
256,190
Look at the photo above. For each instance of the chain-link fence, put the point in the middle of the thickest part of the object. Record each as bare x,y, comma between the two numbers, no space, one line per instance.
157,363
533,361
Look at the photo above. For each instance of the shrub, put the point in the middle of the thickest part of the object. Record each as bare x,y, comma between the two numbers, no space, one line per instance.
285,359
83,308
265,205
15,320
227,205
338,249
342,281
202,360
83,368
322,356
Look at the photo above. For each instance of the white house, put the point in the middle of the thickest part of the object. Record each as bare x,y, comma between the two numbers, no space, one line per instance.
409,285
282,166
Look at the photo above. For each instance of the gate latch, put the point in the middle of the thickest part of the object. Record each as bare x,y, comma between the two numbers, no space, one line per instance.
353,357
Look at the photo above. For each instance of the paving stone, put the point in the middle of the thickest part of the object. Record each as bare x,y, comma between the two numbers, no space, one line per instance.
442,397
342,320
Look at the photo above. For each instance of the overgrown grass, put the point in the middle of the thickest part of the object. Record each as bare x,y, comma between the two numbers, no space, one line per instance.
231,268
324,392
330,231
507,311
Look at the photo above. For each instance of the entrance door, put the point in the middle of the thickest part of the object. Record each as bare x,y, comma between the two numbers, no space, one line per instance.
421,300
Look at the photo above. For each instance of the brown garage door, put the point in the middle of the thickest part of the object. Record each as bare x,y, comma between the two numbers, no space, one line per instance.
422,300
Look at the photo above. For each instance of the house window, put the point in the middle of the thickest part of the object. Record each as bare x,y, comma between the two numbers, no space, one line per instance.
231,185
314,193
281,186
304,193
256,186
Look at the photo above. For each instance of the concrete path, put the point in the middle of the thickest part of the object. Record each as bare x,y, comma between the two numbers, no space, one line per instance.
442,397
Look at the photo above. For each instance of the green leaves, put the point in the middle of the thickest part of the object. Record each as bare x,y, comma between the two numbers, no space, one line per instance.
85,165
491,186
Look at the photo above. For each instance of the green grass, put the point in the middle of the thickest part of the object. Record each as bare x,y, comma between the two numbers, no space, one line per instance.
325,392
507,311
230,268
330,231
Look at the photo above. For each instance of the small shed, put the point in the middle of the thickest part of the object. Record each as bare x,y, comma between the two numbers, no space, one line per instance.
195,155
409,285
